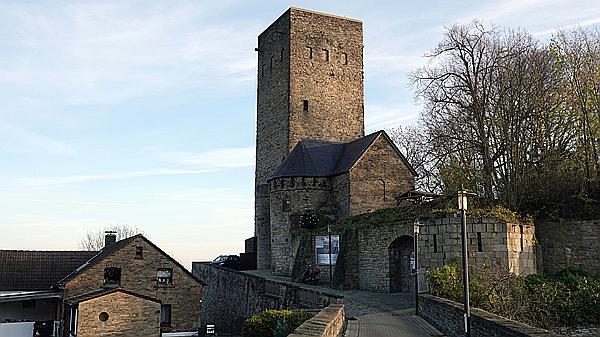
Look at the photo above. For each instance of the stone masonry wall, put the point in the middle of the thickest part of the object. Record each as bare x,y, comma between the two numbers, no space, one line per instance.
326,69
185,294
378,178
447,317
570,244
291,197
365,258
273,95
128,316
233,296
329,322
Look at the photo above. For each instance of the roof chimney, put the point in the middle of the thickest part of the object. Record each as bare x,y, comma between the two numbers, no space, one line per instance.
110,237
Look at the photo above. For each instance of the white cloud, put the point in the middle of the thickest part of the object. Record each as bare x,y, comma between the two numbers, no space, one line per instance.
18,140
219,158
382,116
112,176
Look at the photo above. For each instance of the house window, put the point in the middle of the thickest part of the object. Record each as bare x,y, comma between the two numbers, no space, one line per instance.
112,276
103,317
164,276
165,315
305,105
73,320
139,252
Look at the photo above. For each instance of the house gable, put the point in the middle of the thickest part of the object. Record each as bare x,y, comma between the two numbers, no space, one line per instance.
139,275
379,175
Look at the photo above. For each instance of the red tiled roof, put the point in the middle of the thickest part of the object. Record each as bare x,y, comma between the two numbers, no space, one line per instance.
37,270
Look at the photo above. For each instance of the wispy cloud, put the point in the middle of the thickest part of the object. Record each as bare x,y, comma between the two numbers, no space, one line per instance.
111,176
15,139
86,203
219,158
382,116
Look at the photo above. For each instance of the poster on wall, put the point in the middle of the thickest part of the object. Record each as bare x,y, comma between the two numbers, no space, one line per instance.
322,247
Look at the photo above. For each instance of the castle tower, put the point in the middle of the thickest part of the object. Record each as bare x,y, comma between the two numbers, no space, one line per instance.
310,86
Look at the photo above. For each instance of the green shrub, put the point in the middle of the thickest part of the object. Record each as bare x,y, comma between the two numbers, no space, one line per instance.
274,323
566,299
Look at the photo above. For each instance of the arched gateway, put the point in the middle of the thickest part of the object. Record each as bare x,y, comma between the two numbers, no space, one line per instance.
400,252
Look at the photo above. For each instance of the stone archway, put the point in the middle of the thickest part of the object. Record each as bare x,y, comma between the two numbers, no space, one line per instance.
400,250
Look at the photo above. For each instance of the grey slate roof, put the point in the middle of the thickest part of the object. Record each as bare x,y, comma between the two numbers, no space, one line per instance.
37,270
316,158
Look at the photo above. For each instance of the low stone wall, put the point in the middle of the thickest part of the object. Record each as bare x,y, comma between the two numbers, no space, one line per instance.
233,296
570,244
447,317
329,322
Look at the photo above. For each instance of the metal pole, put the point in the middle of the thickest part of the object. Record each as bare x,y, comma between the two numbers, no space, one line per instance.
416,271
465,265
330,271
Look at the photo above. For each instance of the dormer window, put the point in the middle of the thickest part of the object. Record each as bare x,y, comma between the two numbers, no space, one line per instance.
112,276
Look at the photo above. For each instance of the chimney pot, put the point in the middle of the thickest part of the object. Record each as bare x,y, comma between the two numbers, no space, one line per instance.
110,237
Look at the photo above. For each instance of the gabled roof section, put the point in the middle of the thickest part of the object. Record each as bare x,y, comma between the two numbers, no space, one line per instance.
314,158
37,270
103,292
111,249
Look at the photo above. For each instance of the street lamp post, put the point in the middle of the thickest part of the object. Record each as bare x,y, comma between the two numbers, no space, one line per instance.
462,206
416,230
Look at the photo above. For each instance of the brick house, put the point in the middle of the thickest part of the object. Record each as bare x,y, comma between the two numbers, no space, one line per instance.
145,272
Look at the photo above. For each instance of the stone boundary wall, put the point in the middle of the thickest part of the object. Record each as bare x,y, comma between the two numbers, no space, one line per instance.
329,322
232,296
447,316
569,244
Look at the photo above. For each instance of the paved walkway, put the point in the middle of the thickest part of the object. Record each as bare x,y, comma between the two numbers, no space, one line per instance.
372,314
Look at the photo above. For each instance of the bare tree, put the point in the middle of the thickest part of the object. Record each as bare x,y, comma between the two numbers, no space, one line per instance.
94,240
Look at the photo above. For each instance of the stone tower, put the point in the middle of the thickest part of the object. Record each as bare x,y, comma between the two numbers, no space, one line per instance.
310,86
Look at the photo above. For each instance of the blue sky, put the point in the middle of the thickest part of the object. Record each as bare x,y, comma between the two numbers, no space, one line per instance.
142,113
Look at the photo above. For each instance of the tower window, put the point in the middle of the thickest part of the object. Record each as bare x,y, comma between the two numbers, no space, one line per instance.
281,55
325,55
435,243
272,60
344,58
305,105
479,245
309,52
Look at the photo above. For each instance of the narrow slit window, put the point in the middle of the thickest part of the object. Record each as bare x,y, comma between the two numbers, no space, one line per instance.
309,52
325,55
286,205
435,250
281,55
344,58
522,243
272,60
305,105
479,245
